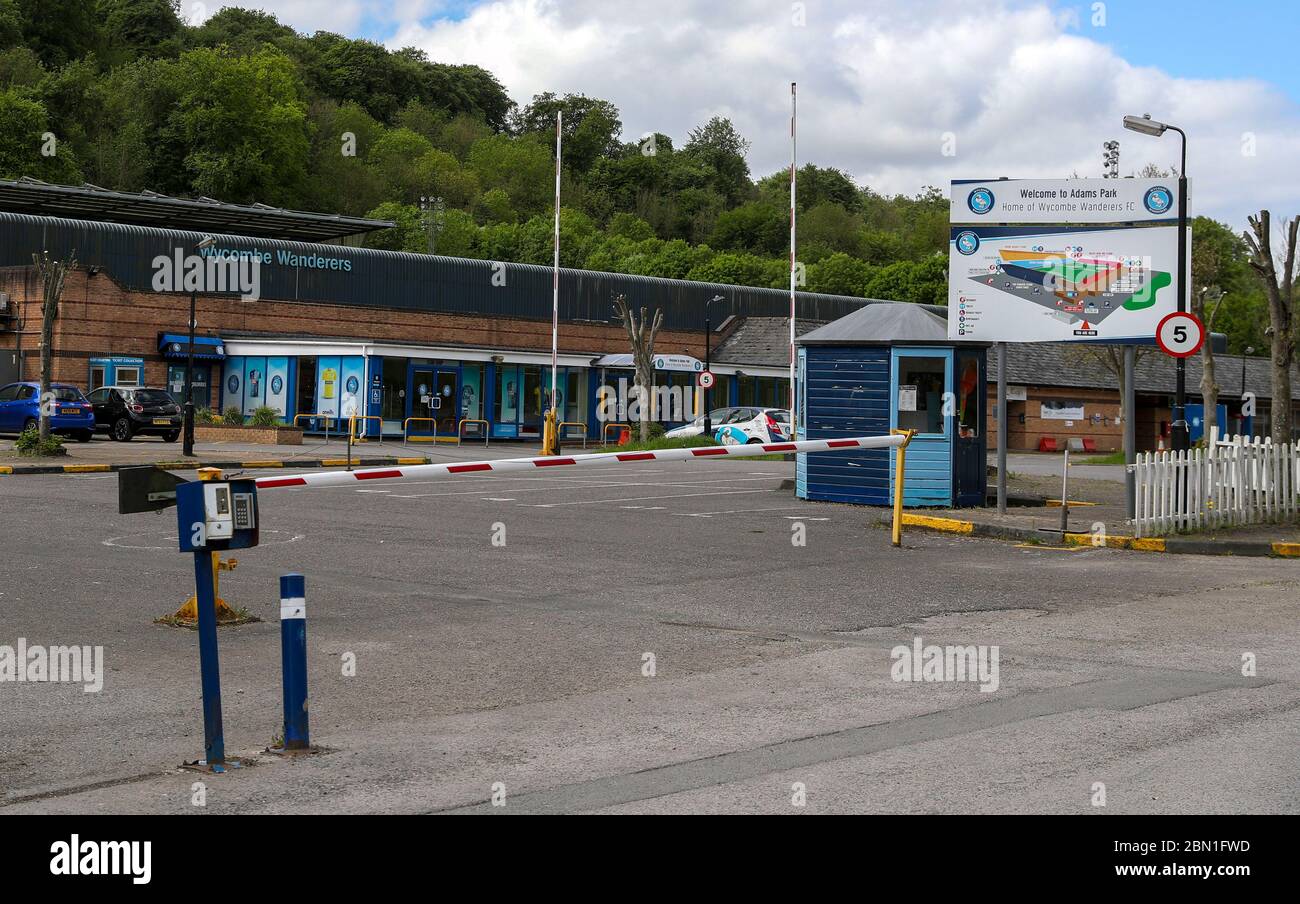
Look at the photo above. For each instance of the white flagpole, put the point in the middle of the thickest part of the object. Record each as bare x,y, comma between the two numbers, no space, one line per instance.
555,281
794,420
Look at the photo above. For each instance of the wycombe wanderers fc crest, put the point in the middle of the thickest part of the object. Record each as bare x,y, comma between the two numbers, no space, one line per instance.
980,200
1158,199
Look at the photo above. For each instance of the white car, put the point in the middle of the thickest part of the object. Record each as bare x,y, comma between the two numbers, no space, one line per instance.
696,427
754,425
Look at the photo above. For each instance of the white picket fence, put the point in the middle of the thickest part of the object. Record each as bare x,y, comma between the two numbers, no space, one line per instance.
1234,480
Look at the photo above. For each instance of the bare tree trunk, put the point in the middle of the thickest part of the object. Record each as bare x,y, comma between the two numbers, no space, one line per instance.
1281,293
1209,387
1110,357
52,274
641,334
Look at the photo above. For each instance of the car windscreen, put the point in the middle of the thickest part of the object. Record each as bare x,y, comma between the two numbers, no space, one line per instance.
150,397
66,394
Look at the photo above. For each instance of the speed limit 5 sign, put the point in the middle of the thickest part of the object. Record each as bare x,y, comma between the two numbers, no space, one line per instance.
706,380
1180,334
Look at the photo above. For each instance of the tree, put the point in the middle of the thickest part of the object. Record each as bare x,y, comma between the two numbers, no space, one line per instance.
23,127
757,226
239,125
139,28
591,126
52,274
1280,287
1205,305
1111,357
722,150
641,332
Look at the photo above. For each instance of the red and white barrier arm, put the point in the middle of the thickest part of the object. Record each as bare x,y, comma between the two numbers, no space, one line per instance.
344,478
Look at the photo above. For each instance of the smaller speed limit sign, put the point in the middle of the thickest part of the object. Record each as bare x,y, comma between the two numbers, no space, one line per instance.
707,379
1180,334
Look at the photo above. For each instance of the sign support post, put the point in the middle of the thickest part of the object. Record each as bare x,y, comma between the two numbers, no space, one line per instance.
214,743
1130,433
1002,428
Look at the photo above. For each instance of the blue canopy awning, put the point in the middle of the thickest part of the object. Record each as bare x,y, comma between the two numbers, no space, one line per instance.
176,345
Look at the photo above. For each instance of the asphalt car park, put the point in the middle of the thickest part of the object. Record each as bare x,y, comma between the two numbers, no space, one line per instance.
645,638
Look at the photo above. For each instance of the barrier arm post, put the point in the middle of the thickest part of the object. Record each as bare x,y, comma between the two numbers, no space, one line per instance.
900,455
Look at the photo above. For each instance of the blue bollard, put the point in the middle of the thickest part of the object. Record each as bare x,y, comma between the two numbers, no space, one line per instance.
293,659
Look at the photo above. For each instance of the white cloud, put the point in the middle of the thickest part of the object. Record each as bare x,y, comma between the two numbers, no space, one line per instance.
1025,91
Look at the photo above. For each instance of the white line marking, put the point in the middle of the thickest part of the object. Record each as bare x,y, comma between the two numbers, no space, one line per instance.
638,498
780,508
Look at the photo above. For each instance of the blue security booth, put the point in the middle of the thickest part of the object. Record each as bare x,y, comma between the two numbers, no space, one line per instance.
891,366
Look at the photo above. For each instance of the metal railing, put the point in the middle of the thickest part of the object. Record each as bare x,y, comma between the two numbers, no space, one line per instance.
406,430
460,428
317,417
604,431
582,424
352,426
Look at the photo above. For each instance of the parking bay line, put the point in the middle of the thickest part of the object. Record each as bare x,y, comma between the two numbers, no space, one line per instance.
586,486
779,508
638,498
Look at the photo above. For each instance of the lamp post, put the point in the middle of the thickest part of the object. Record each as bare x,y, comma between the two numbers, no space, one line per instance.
187,429
708,334
1178,433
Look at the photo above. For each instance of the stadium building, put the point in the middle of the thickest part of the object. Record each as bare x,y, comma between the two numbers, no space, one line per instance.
338,330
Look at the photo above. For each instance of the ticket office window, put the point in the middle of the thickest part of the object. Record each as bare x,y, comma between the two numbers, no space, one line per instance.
920,393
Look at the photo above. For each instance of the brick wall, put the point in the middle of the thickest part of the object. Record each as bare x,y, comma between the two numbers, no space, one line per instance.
97,318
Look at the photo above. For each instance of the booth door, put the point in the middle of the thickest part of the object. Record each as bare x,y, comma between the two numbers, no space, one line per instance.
970,445
919,379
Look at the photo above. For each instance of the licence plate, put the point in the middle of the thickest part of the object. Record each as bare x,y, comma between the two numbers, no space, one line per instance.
70,412
162,422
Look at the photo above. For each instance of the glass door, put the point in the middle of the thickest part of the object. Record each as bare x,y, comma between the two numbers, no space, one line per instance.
447,386
424,400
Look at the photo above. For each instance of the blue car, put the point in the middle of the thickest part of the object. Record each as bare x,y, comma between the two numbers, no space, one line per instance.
70,414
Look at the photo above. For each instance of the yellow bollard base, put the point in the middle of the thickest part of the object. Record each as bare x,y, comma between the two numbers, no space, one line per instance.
187,616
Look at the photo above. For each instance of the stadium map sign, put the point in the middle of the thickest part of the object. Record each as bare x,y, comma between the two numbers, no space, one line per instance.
1062,260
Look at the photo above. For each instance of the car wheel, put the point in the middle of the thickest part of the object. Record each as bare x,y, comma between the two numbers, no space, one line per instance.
31,424
122,430
84,436
752,441
171,436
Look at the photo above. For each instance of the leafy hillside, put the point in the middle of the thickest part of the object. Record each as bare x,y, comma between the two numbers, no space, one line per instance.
245,109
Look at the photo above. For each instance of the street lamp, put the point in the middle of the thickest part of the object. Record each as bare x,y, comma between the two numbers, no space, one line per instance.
708,332
1179,436
188,427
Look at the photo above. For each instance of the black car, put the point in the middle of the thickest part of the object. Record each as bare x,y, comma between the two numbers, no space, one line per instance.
126,411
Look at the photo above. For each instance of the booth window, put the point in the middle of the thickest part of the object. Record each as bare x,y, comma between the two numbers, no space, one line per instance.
970,401
127,376
920,393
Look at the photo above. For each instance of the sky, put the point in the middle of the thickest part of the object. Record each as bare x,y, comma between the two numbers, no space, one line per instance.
901,94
